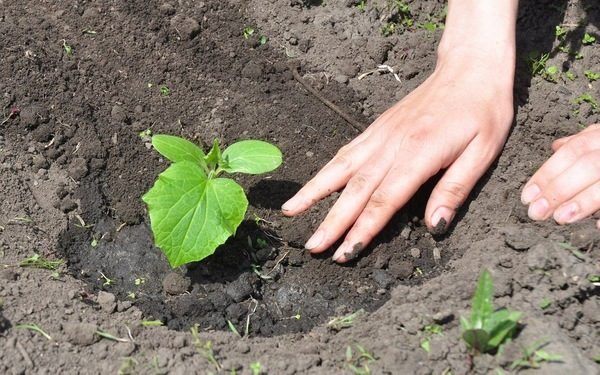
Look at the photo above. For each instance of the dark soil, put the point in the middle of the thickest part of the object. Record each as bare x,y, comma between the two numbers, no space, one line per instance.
74,166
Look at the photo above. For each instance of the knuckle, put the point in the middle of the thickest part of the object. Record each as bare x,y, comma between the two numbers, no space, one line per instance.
454,191
357,183
380,198
341,161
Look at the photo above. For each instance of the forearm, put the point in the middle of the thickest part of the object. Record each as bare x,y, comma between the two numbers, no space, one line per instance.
481,32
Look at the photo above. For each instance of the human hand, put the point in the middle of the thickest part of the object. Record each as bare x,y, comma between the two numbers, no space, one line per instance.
567,185
457,120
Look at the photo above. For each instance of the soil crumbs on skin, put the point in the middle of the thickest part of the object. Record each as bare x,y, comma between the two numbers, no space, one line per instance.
82,83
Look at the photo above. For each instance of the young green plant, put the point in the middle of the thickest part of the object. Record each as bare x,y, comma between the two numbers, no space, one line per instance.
192,209
486,329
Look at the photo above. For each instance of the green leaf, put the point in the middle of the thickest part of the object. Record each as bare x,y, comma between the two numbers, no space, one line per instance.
192,215
541,355
252,157
177,149
214,156
481,306
476,339
503,330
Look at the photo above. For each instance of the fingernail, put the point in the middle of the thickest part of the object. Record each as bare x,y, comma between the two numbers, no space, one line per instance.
291,204
538,210
440,219
566,214
348,252
316,239
343,249
530,193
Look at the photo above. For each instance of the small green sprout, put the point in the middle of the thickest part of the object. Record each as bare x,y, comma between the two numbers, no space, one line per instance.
537,63
67,48
94,242
588,39
429,26
127,366
591,75
594,278
89,31
36,261
107,335
131,295
339,323
107,281
546,302
263,40
588,98
560,32
571,76
139,281
146,135
486,329
596,358
34,327
430,330
152,323
388,28
191,184
247,32
578,56
165,90
551,73
233,329
358,360
256,368
362,6
533,355
205,348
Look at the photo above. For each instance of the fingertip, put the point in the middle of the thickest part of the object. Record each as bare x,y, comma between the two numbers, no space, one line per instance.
440,220
347,252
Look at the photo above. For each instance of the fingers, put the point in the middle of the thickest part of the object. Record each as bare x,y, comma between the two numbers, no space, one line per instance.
456,184
582,205
562,159
351,202
332,177
395,190
562,141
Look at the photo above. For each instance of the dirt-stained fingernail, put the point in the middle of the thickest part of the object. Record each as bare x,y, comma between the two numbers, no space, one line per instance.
315,240
291,204
441,218
348,252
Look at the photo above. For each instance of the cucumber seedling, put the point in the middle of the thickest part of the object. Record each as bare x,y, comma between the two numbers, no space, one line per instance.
192,209
486,329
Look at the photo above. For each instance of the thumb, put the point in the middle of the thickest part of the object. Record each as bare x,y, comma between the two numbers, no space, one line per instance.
456,184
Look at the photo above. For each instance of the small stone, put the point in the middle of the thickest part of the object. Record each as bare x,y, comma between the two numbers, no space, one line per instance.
252,70
405,233
123,305
80,333
402,269
519,238
382,278
40,162
175,283
591,309
187,27
583,238
415,252
78,169
538,257
107,301
437,254
167,9
117,113
241,288
179,342
67,205
341,78
310,154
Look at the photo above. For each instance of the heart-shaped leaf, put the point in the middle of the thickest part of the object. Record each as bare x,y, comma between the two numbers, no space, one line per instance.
252,157
192,215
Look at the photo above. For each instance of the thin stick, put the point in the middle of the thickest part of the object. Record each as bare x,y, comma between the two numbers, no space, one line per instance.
355,124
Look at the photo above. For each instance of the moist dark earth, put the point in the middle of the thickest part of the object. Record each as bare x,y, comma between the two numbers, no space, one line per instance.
82,82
